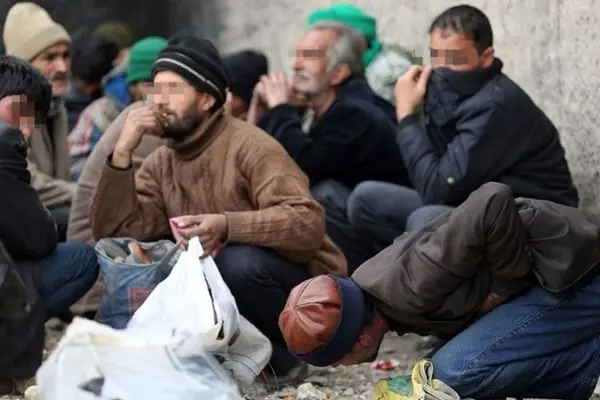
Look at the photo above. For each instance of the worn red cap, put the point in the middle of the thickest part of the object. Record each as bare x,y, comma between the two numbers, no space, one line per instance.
311,314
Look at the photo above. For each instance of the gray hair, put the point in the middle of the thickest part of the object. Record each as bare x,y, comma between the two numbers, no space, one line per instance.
348,49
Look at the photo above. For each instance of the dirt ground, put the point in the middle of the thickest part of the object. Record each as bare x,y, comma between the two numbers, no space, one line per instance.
342,383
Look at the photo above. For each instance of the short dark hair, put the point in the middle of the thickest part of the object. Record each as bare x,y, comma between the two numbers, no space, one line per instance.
93,58
18,77
468,20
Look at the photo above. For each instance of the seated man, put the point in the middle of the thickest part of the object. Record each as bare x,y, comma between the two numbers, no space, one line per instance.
384,63
93,58
234,182
58,274
32,35
513,284
98,116
245,68
481,127
352,136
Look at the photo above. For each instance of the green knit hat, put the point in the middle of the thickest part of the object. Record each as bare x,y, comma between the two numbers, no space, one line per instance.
355,18
142,55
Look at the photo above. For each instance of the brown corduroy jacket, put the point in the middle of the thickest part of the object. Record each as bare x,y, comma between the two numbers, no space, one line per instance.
229,167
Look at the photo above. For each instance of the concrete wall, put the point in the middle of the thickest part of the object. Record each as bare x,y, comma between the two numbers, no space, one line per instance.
550,47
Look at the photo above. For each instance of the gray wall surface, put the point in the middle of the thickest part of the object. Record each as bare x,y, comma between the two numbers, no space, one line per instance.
550,47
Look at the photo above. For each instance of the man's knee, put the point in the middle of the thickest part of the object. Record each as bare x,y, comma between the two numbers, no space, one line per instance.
79,257
242,266
331,193
423,215
362,201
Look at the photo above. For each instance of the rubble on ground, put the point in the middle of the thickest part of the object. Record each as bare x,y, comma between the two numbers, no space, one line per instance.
342,383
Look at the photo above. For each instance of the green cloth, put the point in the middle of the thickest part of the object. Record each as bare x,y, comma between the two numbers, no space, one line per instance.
141,58
355,18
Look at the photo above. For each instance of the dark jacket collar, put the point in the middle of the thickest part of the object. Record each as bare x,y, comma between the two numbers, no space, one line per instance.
446,89
357,86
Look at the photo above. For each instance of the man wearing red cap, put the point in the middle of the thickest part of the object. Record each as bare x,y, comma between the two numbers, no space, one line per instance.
512,284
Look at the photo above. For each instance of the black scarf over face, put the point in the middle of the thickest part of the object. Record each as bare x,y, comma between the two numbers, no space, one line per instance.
447,88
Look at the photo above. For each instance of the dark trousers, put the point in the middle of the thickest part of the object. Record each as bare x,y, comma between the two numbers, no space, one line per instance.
60,215
366,220
261,281
67,274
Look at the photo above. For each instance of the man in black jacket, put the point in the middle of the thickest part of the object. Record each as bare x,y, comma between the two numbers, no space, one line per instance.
351,138
480,126
55,275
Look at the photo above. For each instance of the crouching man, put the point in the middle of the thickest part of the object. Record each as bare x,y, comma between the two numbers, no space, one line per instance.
512,284
237,185
55,275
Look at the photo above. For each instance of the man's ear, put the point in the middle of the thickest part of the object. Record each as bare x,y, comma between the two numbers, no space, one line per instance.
488,57
207,102
340,74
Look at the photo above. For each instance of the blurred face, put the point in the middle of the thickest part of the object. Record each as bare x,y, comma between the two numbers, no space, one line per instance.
181,104
457,52
19,112
138,91
55,63
367,346
310,65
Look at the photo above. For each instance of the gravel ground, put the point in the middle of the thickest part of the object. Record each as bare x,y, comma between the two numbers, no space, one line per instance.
342,383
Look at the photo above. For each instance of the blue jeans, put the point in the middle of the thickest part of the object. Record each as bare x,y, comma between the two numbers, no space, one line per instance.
67,274
538,345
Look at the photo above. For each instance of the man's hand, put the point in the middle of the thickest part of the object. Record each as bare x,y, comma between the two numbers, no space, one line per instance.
211,229
140,121
490,303
276,89
258,106
410,90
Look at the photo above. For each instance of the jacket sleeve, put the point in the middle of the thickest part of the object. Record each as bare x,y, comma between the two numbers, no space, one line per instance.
79,140
319,159
53,192
125,204
485,231
286,218
471,159
26,226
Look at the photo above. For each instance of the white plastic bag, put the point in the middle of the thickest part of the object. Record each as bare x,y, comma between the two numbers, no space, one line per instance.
192,300
96,362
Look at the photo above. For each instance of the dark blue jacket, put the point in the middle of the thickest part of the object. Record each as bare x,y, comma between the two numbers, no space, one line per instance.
481,127
351,142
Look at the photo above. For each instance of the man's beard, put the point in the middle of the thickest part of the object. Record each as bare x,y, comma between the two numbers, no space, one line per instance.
307,94
180,128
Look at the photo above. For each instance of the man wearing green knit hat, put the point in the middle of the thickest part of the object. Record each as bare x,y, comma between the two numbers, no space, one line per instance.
96,118
384,63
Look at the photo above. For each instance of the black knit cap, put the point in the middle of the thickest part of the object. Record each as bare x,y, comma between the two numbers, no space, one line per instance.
245,68
197,61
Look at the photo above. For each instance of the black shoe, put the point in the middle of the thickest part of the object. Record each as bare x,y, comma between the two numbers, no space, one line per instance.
7,387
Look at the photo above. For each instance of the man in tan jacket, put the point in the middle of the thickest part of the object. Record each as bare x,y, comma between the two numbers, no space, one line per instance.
32,35
233,183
